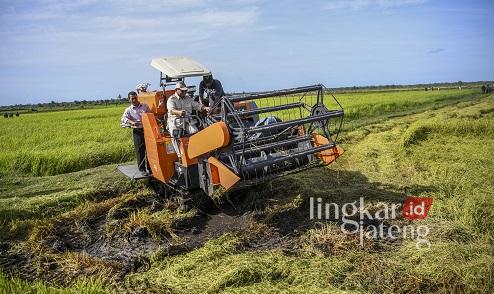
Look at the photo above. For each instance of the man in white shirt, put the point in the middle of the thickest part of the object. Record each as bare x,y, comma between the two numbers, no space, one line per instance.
180,106
132,118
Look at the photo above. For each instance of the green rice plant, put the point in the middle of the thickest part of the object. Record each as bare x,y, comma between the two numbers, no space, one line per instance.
15,285
60,142
419,130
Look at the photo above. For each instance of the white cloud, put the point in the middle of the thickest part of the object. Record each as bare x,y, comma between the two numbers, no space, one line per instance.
55,34
225,18
361,4
122,15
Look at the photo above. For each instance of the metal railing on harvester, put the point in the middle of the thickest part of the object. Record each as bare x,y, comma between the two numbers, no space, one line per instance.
274,136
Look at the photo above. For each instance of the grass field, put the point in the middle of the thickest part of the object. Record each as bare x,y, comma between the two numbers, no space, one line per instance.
439,145
59,142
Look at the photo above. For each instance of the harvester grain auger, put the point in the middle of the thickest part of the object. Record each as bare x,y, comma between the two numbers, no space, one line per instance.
244,139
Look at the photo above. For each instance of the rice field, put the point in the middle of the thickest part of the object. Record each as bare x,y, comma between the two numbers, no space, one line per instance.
364,107
438,146
54,143
60,142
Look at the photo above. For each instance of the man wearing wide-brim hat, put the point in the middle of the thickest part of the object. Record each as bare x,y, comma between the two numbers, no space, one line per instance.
180,106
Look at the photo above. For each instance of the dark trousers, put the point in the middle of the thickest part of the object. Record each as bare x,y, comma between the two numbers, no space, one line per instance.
140,148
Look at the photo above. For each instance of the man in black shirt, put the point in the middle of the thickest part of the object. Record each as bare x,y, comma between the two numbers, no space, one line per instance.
210,90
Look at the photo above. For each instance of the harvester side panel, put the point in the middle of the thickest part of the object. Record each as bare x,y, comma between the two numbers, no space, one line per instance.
159,149
152,100
209,139
186,159
221,175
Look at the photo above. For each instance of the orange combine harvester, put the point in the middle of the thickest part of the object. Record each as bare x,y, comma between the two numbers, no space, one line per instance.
243,140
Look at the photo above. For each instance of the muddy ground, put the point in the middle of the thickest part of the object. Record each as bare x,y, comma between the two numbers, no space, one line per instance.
100,245
124,252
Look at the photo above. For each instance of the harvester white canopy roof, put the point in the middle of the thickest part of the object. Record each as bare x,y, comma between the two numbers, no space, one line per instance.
179,67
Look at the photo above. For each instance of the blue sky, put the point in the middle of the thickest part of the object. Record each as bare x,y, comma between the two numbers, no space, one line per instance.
93,49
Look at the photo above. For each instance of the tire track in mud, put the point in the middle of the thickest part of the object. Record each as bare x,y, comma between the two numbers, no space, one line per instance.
82,247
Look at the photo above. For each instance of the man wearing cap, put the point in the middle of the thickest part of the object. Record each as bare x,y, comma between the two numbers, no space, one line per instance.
179,106
210,90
